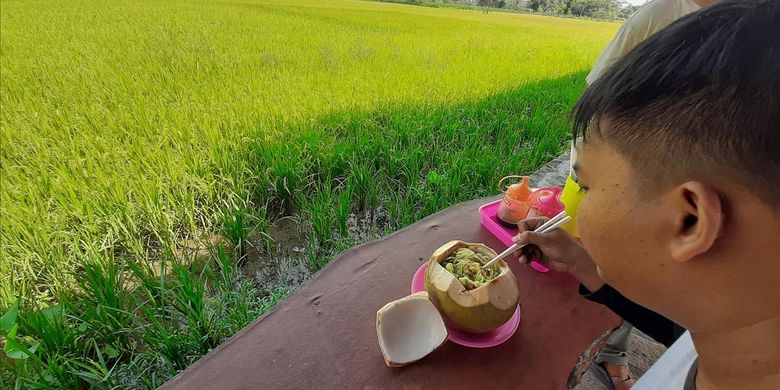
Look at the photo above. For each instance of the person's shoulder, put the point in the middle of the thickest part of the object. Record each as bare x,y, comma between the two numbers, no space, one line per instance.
672,369
661,12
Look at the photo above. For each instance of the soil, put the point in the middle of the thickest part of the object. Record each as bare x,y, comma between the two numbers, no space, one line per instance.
283,263
280,259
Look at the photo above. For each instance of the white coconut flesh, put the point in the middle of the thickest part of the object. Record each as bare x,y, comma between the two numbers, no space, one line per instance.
409,329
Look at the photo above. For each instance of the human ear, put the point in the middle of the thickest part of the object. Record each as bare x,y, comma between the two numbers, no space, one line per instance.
699,220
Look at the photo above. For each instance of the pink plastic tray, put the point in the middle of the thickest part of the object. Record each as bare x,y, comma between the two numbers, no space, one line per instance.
489,214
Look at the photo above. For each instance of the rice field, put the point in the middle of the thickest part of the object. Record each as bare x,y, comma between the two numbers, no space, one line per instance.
129,128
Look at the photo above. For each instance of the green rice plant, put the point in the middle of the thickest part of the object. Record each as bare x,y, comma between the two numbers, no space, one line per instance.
243,304
343,209
286,172
236,227
401,207
103,309
145,371
55,330
362,179
338,160
189,300
95,373
228,270
152,287
175,348
263,224
161,321
320,208
36,349
54,349
314,259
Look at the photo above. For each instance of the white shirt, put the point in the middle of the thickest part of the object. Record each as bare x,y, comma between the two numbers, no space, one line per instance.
671,370
650,18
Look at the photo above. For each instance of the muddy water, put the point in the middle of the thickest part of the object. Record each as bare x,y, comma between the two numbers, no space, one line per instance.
283,262
280,259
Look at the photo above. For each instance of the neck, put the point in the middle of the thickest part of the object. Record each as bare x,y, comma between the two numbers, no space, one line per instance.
747,357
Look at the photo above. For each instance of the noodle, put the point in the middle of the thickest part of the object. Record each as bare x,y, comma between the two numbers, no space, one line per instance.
466,265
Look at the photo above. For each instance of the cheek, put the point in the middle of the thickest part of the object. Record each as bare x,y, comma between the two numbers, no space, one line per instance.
599,221
590,225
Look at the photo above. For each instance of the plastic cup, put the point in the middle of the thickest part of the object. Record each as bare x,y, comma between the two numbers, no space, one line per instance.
545,202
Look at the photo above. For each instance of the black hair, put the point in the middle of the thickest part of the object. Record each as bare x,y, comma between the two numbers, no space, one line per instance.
700,97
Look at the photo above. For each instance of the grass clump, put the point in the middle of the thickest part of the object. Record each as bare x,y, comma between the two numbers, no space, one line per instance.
130,327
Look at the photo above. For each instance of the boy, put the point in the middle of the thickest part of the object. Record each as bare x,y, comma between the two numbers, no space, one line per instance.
680,165
646,21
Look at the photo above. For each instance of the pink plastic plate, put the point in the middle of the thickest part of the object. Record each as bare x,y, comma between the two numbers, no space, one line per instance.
489,214
485,340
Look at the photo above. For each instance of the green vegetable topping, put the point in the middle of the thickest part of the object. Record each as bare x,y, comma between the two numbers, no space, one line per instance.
466,265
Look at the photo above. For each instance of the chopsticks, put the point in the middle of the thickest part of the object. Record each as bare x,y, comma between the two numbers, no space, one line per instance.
554,223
